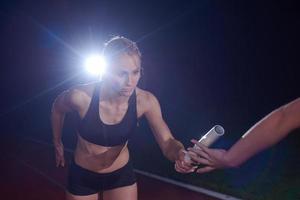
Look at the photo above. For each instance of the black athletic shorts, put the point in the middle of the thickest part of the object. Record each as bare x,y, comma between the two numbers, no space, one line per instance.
82,181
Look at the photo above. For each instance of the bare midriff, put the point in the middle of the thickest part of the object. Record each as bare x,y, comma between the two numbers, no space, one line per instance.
100,159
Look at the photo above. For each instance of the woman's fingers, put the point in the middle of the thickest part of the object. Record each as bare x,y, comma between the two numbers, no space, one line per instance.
178,168
60,159
199,160
199,152
199,145
182,167
205,169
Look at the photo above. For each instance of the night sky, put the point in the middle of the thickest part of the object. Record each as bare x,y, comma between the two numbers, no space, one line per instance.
208,62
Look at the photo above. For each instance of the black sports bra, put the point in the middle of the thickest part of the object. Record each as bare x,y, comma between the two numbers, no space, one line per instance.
92,129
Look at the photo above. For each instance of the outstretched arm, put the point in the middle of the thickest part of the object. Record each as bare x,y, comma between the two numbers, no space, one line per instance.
171,148
267,132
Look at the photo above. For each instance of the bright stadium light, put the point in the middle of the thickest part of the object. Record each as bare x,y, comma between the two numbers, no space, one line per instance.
96,65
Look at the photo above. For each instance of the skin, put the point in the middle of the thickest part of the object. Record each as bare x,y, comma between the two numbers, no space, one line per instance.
118,85
264,134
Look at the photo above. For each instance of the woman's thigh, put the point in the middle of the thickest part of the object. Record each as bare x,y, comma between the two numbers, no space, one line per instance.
70,196
121,193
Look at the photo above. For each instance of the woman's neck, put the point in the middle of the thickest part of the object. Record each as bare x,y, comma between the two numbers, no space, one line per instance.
110,96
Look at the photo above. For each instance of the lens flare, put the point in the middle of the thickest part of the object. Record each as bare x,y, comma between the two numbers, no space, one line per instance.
96,65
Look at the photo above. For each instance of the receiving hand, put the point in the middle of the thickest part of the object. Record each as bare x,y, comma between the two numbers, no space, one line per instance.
211,158
181,165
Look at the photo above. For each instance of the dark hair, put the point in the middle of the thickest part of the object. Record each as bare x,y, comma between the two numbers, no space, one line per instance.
119,45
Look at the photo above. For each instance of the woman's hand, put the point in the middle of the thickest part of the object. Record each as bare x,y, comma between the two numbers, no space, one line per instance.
181,165
59,154
211,158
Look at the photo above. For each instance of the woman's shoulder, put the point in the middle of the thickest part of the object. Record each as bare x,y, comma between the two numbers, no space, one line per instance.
144,96
81,94
83,89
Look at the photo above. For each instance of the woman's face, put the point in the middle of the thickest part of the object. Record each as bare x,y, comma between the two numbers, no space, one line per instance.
123,74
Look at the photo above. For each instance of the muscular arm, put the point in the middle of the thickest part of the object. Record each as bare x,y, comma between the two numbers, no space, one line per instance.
65,102
60,107
168,144
265,133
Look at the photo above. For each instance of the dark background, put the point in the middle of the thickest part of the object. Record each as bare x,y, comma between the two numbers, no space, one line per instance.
208,62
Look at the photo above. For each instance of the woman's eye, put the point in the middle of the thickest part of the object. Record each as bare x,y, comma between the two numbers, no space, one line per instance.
136,72
121,74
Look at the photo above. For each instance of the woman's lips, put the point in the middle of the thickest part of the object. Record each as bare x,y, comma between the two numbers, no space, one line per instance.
126,89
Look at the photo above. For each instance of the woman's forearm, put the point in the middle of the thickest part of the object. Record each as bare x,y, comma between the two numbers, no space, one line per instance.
172,149
57,121
59,110
265,133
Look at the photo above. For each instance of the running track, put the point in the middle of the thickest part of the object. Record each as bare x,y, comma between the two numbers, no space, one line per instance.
28,172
